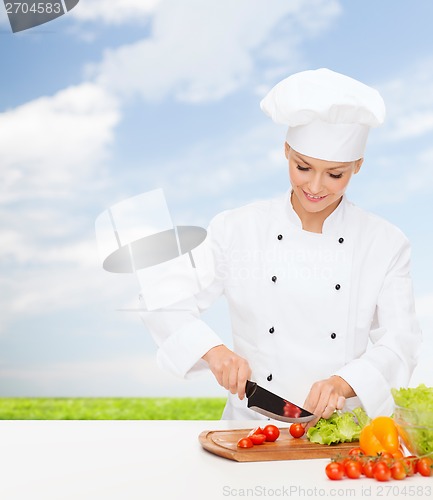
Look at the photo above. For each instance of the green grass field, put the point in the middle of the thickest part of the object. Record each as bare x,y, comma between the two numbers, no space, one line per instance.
111,408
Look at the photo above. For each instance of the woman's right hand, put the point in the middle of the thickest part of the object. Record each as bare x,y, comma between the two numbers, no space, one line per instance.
230,370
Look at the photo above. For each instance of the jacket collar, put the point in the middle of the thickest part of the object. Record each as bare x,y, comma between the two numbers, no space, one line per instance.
333,223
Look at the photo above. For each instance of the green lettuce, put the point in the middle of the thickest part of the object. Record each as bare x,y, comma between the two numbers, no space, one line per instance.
417,398
339,428
417,424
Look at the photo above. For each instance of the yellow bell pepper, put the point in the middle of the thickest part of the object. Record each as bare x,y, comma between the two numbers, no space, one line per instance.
380,436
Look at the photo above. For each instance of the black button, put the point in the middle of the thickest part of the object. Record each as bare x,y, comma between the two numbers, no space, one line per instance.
341,240
333,335
274,279
337,286
269,377
280,236
271,330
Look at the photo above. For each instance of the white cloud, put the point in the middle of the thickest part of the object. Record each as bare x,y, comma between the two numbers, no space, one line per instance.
402,145
50,144
115,11
51,156
409,102
242,168
405,175
202,51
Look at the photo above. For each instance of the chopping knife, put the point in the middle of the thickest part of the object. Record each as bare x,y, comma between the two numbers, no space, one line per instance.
269,404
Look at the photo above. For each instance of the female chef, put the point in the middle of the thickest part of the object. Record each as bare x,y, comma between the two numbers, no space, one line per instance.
319,290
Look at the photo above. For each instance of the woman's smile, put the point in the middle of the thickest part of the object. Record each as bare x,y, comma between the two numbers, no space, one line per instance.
313,198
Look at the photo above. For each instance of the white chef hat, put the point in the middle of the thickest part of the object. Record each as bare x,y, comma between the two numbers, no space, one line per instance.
328,114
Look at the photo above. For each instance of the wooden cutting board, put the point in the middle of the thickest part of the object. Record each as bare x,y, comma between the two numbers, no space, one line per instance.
224,444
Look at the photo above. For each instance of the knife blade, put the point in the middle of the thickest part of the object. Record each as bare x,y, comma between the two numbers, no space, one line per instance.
269,404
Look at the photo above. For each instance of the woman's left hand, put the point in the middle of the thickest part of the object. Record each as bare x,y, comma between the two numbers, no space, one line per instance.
326,396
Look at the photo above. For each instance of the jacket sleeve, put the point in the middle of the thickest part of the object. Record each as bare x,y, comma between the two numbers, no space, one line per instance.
395,340
181,336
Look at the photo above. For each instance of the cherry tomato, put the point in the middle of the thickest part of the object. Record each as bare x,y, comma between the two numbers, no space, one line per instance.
271,432
386,457
245,443
381,471
398,470
367,468
257,438
297,430
410,463
424,466
353,469
335,471
257,430
357,452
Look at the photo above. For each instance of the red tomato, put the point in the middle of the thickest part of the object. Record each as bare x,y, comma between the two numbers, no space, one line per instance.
245,443
271,432
357,452
381,471
297,430
335,471
424,466
257,430
386,457
353,469
257,438
367,468
410,463
398,470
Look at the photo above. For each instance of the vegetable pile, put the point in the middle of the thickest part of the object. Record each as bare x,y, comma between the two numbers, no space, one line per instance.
416,425
339,428
382,467
269,433
379,456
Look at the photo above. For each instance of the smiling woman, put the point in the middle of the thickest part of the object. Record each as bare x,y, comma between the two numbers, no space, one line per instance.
344,316
117,98
318,186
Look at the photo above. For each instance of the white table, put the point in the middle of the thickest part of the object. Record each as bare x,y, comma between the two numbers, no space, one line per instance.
137,460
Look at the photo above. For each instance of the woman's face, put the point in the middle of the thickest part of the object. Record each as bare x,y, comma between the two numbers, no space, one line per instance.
319,184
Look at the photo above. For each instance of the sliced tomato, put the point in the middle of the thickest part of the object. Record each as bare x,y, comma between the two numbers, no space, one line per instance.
258,438
245,443
257,430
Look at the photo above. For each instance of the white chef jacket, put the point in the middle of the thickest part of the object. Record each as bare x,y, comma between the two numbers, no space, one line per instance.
303,306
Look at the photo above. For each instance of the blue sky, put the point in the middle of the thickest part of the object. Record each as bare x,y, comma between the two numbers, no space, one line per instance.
120,97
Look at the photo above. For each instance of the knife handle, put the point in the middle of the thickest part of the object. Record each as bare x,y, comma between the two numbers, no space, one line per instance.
250,388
